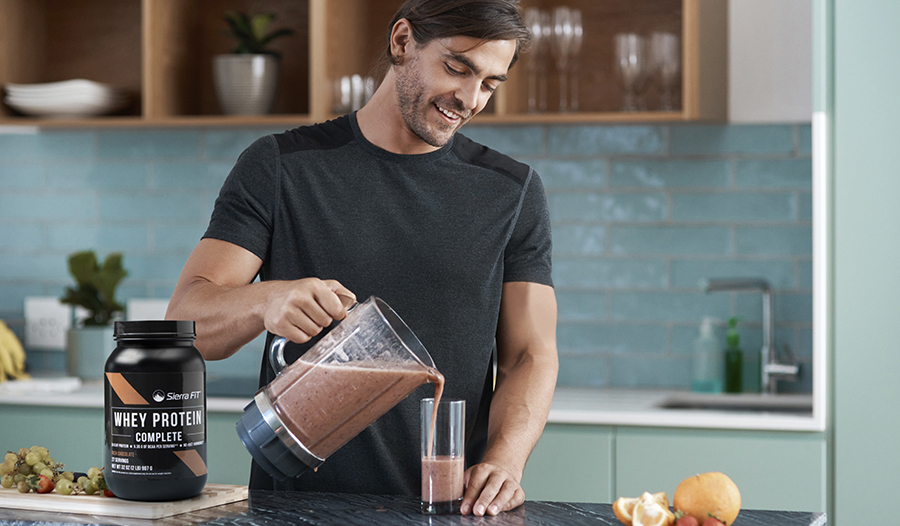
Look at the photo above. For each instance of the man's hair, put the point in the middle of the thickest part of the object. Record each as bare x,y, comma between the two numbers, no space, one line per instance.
481,19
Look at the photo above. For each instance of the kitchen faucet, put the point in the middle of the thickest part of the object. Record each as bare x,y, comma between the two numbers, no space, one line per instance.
771,370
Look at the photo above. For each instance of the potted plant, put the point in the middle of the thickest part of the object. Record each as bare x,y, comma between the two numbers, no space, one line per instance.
90,340
247,77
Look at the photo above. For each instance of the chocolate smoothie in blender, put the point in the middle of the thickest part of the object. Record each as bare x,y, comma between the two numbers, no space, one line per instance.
357,372
334,403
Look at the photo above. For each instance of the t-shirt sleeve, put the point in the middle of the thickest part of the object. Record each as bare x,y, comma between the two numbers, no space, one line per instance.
528,252
244,211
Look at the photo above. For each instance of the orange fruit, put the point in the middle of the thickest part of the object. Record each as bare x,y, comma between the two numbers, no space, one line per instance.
708,495
623,507
642,511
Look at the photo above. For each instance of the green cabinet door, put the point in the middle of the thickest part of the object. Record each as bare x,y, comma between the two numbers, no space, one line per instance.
773,470
228,459
571,463
74,436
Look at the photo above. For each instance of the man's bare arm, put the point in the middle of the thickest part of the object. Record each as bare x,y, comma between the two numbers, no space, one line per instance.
216,290
526,379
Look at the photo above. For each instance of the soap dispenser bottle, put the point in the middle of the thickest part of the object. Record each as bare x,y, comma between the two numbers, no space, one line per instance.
734,358
708,360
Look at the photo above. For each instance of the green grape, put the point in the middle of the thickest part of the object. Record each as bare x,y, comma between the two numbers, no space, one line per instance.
25,469
82,479
64,487
32,458
22,487
7,481
93,472
11,457
23,451
7,467
47,472
89,488
18,477
40,466
49,461
68,475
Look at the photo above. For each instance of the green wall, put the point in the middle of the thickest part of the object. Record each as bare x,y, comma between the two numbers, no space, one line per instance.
866,358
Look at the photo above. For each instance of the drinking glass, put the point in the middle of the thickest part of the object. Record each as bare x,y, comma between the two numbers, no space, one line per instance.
632,67
578,36
443,455
536,59
665,57
563,37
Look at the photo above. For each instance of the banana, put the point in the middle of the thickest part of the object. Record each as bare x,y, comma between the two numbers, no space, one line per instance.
2,369
12,354
6,362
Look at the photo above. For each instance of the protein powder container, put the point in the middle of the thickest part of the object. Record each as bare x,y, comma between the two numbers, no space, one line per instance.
155,405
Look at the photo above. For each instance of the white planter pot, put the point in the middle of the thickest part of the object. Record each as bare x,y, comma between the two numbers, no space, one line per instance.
87,349
245,84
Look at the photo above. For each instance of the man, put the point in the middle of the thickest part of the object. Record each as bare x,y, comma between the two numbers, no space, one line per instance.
390,201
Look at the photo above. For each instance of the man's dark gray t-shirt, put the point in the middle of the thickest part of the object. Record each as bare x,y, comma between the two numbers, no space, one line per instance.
434,235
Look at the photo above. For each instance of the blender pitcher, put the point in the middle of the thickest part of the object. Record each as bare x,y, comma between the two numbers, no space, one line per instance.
357,372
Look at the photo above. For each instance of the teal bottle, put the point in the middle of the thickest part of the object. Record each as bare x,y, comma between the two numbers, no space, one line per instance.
708,357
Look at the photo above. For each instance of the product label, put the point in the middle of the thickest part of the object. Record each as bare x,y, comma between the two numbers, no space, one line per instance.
156,424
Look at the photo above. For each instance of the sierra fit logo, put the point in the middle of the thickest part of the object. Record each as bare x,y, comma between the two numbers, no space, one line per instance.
159,395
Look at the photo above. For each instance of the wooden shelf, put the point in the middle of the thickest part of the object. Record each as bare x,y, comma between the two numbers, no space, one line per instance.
161,52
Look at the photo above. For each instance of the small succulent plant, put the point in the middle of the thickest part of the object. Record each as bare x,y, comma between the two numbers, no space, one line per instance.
253,34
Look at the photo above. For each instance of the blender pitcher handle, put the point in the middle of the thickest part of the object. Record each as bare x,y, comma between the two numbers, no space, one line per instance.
276,354
276,350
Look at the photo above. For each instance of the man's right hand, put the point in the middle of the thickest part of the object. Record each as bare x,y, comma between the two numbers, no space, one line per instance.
217,290
299,310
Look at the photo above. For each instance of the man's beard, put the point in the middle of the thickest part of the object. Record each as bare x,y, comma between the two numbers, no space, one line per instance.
414,107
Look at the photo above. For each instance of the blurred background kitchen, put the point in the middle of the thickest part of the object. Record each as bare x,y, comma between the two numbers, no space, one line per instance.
641,213
647,199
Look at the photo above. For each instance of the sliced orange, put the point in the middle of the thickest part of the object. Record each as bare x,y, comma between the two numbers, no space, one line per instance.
661,498
623,507
648,511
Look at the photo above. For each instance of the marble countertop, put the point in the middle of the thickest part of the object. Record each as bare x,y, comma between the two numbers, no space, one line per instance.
615,407
283,508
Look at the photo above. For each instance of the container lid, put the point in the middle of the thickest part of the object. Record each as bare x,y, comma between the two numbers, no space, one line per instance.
155,329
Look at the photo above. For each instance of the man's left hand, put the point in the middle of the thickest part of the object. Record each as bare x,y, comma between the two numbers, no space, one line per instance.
490,489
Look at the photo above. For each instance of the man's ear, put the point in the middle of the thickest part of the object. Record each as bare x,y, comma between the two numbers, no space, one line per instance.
401,39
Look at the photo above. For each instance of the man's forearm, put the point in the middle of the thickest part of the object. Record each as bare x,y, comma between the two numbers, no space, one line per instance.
227,318
519,410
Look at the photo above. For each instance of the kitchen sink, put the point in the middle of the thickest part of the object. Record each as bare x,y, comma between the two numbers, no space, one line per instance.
743,402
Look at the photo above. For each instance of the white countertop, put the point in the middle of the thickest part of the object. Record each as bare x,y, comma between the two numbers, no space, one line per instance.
621,407
612,407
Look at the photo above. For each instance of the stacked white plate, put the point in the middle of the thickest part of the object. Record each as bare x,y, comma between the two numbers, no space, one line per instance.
68,98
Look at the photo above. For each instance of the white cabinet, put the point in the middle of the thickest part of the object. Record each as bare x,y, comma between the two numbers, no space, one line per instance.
769,61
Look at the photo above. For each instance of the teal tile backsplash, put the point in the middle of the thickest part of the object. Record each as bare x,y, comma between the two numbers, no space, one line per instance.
640,215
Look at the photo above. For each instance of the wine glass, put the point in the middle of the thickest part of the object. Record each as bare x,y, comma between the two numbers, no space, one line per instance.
546,38
563,37
632,67
578,36
666,63
536,59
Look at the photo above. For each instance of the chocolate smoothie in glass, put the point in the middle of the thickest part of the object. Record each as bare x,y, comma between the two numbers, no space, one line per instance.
443,457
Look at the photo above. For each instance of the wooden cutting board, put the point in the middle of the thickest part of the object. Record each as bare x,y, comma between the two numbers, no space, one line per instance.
212,495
